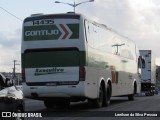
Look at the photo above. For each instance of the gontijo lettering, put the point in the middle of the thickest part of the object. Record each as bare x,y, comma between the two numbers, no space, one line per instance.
41,32
51,32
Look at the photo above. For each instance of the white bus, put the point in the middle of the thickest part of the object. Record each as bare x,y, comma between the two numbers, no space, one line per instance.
67,58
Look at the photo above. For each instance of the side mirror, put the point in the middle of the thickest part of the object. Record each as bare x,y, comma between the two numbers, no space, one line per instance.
141,62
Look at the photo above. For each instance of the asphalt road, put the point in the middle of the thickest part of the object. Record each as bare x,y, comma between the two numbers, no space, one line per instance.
119,109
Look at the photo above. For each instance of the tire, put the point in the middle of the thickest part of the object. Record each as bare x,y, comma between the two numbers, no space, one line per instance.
48,104
60,103
107,96
152,93
147,94
98,102
131,96
64,103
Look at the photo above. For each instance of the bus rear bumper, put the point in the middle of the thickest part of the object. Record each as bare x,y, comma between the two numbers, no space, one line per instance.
65,91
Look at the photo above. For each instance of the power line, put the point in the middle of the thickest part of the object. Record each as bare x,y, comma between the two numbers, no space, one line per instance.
10,13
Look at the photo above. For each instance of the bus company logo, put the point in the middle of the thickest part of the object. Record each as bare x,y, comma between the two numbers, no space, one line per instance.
45,71
51,32
41,32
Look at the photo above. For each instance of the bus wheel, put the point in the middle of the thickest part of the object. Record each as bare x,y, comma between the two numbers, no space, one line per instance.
99,101
131,96
107,96
48,103
63,103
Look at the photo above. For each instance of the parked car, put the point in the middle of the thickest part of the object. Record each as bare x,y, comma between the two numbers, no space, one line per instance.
11,98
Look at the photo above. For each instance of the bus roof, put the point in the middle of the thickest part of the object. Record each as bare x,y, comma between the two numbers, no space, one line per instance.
52,16
70,15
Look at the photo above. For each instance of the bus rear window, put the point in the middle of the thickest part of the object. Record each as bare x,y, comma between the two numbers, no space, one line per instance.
55,58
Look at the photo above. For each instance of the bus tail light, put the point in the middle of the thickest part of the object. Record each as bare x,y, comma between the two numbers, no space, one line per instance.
23,75
82,73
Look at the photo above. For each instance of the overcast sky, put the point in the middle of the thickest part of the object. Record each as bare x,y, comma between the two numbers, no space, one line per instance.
138,20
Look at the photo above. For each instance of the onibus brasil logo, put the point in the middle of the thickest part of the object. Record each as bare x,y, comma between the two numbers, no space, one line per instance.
45,71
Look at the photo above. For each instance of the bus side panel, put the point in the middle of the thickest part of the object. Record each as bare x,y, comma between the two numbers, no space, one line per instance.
112,54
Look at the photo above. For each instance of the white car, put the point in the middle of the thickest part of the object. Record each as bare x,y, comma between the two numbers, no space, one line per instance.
11,98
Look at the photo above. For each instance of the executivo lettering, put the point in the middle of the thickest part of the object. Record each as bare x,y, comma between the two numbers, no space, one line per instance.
44,71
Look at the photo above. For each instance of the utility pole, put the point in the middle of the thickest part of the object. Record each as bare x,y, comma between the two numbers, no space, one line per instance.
14,68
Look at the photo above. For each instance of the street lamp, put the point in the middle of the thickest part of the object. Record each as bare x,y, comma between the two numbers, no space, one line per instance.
75,4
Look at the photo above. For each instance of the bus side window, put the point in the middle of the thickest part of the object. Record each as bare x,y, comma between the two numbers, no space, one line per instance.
141,62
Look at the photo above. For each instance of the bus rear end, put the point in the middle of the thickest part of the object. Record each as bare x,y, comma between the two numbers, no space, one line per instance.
53,57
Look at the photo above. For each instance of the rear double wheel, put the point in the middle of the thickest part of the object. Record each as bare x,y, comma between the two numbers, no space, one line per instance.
48,104
97,103
103,98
